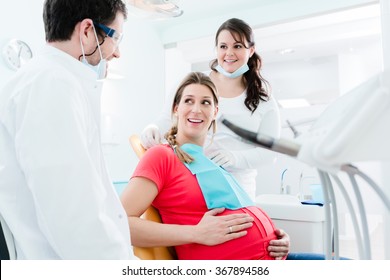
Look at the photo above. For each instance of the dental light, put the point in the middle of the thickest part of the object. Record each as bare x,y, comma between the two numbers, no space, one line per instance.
354,128
163,8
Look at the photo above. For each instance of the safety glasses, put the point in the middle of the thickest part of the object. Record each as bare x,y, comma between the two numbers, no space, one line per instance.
112,33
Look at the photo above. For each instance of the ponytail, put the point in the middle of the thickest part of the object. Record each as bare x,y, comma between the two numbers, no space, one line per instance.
170,136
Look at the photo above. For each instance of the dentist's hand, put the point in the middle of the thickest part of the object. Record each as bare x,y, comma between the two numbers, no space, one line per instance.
150,136
223,158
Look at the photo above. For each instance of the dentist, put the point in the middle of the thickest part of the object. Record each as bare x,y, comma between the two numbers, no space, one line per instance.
56,195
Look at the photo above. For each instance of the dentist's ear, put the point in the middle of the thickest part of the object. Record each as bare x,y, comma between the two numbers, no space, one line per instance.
86,30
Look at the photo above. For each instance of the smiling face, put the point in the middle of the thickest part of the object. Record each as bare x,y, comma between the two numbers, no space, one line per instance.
231,53
195,112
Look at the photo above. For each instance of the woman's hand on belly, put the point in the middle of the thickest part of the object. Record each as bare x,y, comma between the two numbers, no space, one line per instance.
279,248
214,230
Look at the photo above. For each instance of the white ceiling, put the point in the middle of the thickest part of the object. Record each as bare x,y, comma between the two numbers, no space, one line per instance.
318,36
310,28
202,17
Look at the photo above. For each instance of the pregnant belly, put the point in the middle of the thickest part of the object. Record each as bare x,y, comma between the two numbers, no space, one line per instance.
252,246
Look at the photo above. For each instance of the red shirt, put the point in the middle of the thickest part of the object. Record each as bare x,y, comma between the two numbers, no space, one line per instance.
180,201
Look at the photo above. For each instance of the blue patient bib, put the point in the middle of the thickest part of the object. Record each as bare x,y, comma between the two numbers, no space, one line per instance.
218,186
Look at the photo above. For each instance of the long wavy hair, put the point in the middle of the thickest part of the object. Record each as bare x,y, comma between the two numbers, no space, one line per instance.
257,86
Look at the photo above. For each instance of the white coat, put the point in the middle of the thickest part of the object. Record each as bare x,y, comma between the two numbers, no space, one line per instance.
55,192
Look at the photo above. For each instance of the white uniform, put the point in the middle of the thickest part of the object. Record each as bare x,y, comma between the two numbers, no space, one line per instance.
55,192
266,119
248,157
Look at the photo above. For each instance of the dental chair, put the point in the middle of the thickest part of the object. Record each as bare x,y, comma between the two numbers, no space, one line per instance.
7,245
151,214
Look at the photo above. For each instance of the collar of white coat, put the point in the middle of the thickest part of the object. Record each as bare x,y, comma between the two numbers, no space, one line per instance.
80,70
93,87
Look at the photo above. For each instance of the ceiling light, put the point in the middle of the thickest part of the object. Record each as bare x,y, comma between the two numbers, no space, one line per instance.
164,8
293,103
286,51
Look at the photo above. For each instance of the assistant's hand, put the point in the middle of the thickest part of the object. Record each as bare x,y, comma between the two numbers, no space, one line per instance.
279,248
223,158
150,136
214,230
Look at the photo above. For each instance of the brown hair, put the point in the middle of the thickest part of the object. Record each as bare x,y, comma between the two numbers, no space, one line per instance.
256,85
192,78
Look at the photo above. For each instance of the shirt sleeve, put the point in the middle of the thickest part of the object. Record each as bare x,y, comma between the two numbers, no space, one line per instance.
270,120
154,165
270,125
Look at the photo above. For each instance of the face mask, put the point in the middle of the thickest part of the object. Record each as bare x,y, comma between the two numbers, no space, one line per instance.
235,74
101,67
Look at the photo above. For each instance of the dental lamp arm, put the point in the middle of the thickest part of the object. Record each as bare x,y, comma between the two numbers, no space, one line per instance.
250,156
277,145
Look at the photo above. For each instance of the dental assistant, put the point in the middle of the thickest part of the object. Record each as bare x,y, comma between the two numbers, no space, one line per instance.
56,195
243,99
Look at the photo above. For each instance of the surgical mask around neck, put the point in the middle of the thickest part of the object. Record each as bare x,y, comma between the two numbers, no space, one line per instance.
101,67
244,68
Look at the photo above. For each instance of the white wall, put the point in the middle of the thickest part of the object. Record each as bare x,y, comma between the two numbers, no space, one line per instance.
135,100
358,65
316,79
21,20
